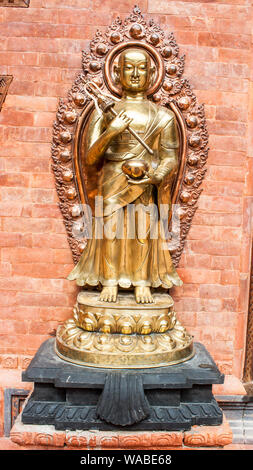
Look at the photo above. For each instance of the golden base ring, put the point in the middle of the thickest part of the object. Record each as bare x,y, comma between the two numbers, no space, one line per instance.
119,351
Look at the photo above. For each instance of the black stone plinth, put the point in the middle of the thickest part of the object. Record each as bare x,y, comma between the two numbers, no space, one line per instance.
73,397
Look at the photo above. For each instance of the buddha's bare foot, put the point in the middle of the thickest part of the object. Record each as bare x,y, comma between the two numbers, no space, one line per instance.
143,295
109,294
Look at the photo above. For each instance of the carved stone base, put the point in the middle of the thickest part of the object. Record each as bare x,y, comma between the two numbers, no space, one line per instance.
74,397
124,333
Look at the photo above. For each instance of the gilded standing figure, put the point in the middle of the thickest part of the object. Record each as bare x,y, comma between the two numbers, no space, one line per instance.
127,261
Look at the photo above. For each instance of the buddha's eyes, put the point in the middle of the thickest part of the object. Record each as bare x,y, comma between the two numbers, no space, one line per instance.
131,67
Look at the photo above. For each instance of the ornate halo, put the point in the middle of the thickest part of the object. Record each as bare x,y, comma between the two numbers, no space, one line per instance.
112,57
171,89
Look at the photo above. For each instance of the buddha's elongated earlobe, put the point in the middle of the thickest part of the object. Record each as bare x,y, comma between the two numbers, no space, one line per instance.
116,74
152,75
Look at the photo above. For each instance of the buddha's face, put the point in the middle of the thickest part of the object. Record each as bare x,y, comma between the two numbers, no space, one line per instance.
134,70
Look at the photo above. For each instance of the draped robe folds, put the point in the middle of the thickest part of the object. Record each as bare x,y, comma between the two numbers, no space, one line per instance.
120,259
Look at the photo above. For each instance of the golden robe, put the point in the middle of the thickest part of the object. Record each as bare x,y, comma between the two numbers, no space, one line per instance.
133,261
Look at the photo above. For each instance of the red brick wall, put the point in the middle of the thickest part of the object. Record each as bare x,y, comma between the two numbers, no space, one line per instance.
41,48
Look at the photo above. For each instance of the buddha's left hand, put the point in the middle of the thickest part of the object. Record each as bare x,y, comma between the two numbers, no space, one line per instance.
144,180
150,178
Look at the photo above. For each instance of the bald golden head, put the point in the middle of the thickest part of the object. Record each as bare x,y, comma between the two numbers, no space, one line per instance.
134,70
134,55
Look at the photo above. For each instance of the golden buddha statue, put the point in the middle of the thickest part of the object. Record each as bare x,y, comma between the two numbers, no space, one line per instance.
116,329
125,261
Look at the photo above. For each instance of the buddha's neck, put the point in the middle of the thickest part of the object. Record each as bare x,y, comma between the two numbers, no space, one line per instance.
133,96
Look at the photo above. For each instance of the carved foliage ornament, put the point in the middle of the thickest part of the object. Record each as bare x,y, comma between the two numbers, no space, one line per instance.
169,89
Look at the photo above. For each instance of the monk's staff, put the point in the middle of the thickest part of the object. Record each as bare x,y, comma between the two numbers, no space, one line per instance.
106,102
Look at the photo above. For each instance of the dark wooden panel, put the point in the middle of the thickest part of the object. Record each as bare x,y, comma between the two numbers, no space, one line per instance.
13,401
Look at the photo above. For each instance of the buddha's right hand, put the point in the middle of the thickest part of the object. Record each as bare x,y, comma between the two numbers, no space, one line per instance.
119,123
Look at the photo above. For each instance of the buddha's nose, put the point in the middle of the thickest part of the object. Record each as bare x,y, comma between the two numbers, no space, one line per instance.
135,72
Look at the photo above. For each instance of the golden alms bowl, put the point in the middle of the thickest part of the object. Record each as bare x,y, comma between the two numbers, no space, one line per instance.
135,169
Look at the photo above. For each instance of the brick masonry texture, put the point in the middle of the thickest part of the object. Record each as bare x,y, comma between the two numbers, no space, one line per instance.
41,47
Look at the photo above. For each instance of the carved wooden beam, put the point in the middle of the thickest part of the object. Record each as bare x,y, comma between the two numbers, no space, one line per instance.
248,367
15,3
5,81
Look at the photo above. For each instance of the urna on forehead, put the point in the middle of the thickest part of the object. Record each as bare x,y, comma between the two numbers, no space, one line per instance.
134,54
